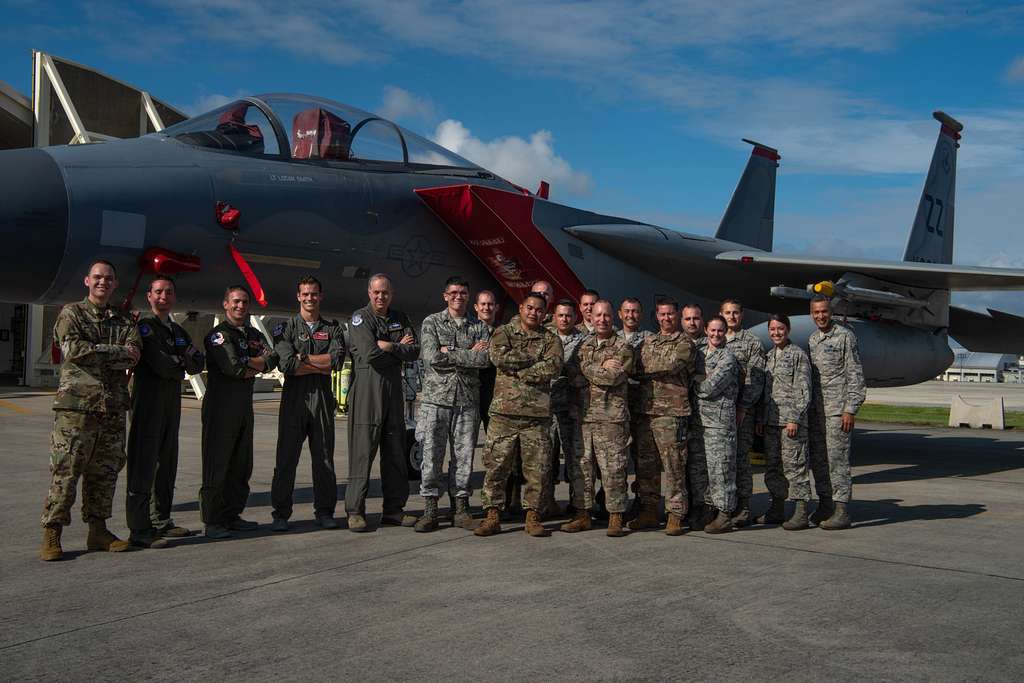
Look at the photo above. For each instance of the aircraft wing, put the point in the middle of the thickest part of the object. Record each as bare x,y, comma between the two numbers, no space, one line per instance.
992,332
796,270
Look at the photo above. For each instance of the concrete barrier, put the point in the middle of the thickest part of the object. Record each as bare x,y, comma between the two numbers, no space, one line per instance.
978,414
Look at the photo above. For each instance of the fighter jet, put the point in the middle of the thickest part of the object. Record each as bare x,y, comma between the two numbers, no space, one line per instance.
268,188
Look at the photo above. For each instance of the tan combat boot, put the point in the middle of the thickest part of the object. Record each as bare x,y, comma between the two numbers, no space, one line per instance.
799,519
580,522
615,529
720,524
840,519
100,538
674,527
491,524
647,519
741,515
51,549
533,525
463,517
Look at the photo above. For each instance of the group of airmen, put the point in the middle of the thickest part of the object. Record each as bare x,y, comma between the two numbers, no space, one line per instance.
559,397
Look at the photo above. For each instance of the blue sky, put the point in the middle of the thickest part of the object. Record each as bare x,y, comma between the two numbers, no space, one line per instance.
629,108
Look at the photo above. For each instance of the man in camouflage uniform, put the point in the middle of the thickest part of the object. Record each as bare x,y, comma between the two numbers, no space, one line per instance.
167,355
486,309
309,347
235,353
527,357
381,339
453,350
631,314
565,406
750,354
716,400
513,489
838,390
665,366
782,419
587,301
696,460
98,344
605,361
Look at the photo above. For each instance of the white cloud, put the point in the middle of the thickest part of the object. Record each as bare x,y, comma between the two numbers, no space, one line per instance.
205,103
309,30
1015,72
520,160
400,104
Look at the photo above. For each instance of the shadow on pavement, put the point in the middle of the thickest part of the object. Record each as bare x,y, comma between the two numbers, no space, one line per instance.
932,455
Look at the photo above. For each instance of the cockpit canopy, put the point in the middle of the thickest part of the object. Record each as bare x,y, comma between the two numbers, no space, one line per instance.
299,127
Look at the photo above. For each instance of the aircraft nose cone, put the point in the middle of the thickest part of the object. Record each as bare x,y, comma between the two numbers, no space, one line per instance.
33,223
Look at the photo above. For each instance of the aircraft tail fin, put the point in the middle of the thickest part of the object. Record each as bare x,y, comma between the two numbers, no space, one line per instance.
750,216
931,237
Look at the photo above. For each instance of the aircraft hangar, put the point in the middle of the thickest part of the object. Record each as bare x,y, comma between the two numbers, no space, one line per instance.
70,104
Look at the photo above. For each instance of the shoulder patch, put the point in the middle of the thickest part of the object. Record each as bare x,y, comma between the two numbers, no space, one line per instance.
217,338
357,320
145,330
278,329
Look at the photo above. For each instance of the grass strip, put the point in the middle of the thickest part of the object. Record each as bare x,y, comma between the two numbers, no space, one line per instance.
922,415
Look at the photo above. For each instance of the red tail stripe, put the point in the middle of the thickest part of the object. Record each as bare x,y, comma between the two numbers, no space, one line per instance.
766,153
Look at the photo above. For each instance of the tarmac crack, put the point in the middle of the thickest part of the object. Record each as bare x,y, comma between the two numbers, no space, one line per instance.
226,594
864,558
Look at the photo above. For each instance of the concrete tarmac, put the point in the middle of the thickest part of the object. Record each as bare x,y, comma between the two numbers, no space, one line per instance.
928,585
936,393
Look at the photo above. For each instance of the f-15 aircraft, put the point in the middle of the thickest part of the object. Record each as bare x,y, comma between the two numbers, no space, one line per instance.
268,188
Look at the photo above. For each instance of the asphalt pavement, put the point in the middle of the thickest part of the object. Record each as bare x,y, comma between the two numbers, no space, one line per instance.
928,585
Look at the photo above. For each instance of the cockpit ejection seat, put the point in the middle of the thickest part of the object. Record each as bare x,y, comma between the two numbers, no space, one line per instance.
243,136
317,133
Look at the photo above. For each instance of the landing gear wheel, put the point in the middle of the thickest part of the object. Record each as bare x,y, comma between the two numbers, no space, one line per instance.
413,455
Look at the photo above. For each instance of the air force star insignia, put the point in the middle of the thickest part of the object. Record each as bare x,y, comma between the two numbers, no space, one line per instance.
217,339
357,320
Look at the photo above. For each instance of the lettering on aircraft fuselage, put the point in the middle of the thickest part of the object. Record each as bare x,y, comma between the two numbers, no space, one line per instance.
275,178
493,242
416,255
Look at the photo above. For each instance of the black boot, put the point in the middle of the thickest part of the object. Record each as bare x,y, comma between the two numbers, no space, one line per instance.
775,514
825,509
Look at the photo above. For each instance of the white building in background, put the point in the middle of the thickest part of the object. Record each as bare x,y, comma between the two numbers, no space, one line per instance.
983,367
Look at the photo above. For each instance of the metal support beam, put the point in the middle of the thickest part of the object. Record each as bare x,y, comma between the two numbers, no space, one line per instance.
57,85
40,102
152,113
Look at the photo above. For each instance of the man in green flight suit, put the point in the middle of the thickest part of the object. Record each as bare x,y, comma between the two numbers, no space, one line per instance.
381,340
167,354
308,348
235,353
98,344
